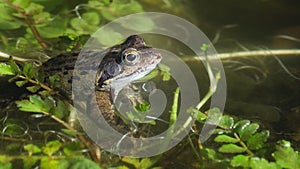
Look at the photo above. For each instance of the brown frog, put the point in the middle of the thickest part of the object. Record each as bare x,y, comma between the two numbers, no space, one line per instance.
120,65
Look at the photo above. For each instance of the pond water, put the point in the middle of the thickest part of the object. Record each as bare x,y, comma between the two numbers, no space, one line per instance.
258,88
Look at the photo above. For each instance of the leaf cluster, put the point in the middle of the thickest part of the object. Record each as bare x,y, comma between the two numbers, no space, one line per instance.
243,144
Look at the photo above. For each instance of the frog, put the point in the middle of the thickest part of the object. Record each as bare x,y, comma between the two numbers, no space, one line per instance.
119,65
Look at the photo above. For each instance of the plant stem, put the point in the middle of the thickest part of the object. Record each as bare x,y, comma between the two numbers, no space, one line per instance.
30,24
243,145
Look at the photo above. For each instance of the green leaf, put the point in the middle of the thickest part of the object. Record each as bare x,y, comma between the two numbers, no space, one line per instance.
70,132
57,27
48,163
34,9
286,157
225,139
5,165
204,47
35,104
240,125
15,68
34,88
240,161
231,148
226,122
28,70
214,116
198,115
30,162
21,83
73,149
261,163
77,163
248,131
6,69
21,3
133,161
32,149
258,140
61,110
140,24
109,38
143,107
51,147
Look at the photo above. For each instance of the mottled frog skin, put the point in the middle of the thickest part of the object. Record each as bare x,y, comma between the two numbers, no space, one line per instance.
120,65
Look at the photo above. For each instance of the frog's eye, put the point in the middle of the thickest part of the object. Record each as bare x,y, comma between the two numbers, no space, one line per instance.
130,56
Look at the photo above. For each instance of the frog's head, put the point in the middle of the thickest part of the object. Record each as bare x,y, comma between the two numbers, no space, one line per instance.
127,62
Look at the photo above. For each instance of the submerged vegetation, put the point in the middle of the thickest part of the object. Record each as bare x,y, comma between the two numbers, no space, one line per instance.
41,26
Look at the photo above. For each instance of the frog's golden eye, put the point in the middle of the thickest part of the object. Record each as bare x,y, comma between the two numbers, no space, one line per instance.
130,56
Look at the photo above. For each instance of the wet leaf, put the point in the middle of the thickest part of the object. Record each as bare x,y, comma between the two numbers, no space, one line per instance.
51,147
226,122
6,69
32,149
258,140
225,139
231,148
240,161
240,125
248,131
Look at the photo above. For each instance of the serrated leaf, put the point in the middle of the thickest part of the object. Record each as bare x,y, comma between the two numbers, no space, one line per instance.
261,163
32,149
258,140
34,104
231,148
240,125
198,115
6,69
51,147
226,122
246,132
225,139
286,157
240,161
